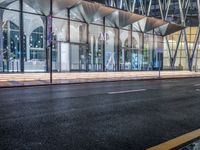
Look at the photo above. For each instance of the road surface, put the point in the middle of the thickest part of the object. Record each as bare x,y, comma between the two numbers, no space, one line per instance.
124,115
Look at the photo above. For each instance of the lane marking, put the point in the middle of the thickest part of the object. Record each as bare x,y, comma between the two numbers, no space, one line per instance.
128,91
174,143
198,90
196,84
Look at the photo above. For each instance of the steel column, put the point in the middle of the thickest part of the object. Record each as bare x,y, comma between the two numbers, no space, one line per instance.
104,42
1,40
21,30
50,36
184,32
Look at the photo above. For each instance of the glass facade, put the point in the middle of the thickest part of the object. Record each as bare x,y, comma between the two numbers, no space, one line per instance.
68,36
77,45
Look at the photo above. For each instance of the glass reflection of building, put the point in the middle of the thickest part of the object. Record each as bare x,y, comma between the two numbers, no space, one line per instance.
81,41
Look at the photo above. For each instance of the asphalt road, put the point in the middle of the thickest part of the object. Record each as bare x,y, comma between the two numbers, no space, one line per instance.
125,115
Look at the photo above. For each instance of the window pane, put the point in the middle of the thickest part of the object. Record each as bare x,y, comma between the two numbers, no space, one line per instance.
111,49
34,43
137,44
12,4
37,6
96,48
147,52
60,29
9,41
78,32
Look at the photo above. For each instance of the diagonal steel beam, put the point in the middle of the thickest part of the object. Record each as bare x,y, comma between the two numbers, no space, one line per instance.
167,9
133,6
194,48
149,8
161,9
142,7
184,32
165,18
169,50
176,50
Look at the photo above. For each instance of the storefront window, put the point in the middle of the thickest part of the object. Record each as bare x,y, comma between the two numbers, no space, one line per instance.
95,55
147,52
158,53
34,43
111,48
125,50
137,45
9,41
78,32
60,52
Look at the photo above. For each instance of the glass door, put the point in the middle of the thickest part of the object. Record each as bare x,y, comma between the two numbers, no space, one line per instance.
79,57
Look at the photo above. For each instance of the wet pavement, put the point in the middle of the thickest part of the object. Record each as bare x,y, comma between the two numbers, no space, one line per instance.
125,115
195,145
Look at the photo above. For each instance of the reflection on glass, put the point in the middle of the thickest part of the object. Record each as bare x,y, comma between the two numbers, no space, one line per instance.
78,32
95,55
148,52
111,49
180,62
10,4
78,57
10,52
158,53
60,59
34,43
60,29
125,45
137,51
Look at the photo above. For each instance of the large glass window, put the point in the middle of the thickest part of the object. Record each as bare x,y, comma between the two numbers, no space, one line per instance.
158,53
9,41
196,61
95,55
60,29
111,47
125,58
166,56
61,45
148,52
78,55
41,7
178,50
34,43
78,32
137,44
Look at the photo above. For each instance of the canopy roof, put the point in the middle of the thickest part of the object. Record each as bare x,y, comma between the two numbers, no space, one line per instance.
91,11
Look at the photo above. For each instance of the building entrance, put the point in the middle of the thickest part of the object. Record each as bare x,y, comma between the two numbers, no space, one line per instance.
79,57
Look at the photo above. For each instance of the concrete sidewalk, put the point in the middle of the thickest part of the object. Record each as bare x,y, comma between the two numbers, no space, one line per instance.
20,79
